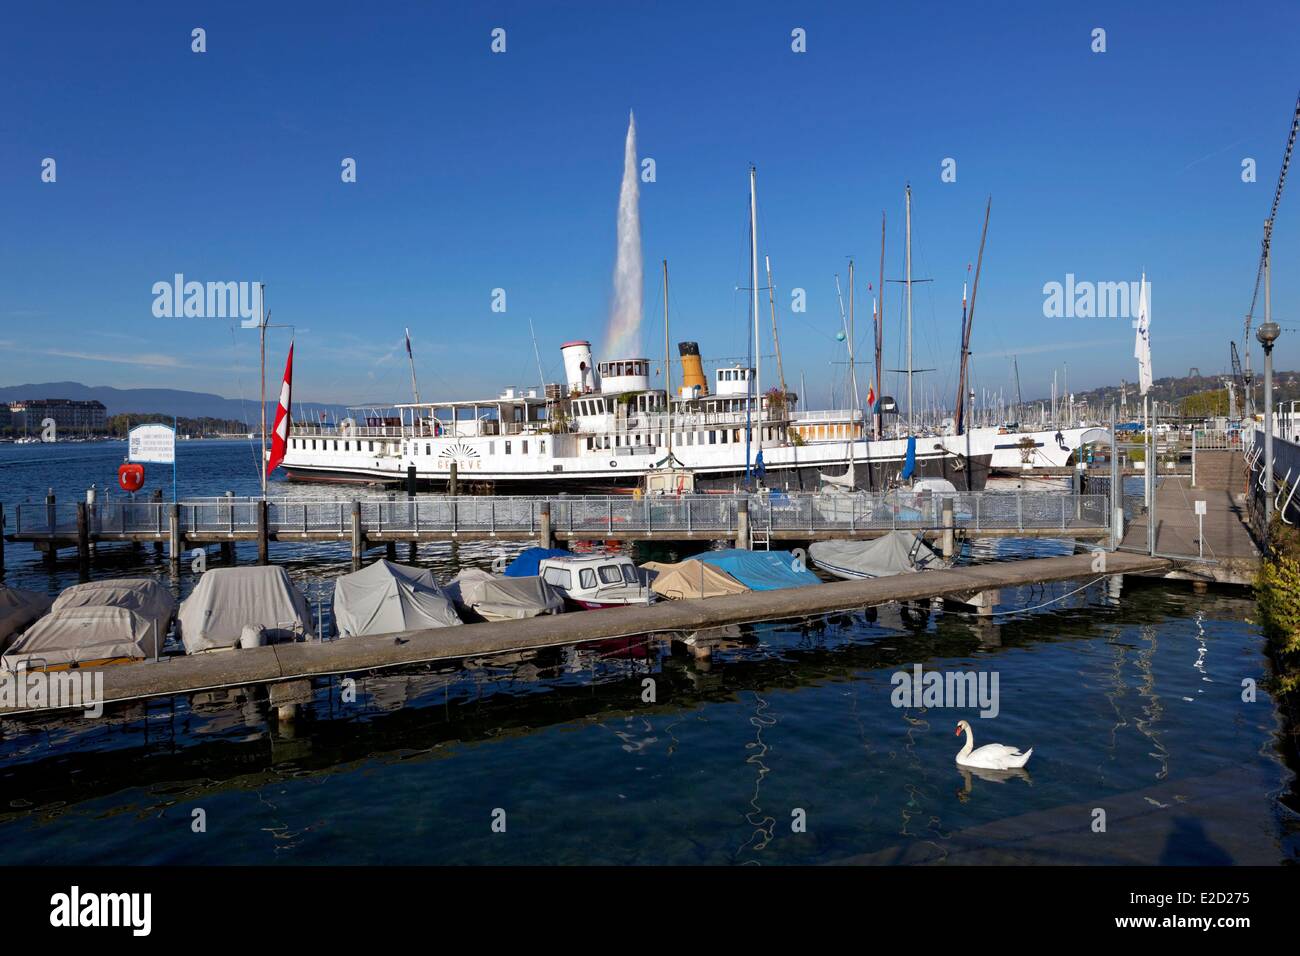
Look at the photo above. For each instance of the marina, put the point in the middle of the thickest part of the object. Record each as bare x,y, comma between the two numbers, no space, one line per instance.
594,436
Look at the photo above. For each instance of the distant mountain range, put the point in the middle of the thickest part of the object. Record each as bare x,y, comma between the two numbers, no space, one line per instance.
166,401
172,401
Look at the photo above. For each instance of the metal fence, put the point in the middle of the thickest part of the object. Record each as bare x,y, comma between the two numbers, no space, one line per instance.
1286,477
606,516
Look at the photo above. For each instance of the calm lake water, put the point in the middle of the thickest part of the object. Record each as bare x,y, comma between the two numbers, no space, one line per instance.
1130,695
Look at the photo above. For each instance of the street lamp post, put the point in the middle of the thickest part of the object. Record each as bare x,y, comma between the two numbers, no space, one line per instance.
1267,335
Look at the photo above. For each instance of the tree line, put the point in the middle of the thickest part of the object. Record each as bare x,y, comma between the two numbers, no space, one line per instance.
119,425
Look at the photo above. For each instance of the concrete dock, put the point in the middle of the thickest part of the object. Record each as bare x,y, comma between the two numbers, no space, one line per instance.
290,665
1222,536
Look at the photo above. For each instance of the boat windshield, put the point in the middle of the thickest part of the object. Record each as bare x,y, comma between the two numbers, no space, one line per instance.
629,574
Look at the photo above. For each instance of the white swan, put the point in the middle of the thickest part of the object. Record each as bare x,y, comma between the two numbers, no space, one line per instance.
990,756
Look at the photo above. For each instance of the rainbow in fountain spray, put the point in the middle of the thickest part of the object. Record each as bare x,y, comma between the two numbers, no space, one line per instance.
623,337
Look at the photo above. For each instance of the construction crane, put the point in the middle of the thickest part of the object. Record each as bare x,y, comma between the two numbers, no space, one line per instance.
1265,244
1242,382
1016,368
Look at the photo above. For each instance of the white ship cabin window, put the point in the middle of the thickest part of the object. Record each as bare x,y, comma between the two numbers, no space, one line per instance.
587,578
427,447
713,438
629,574
559,577
523,448
372,446
492,448
610,574
507,448
541,446
336,444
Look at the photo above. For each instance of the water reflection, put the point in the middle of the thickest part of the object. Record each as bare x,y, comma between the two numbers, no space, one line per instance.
569,730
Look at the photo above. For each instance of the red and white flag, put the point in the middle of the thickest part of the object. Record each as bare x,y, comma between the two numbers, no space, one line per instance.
280,433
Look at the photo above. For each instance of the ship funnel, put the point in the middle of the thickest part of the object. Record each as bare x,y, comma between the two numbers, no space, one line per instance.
579,373
693,380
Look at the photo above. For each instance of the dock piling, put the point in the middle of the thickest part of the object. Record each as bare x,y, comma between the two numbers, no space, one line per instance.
157,498
262,544
83,542
174,535
52,551
358,541
742,524
949,530
545,536
453,484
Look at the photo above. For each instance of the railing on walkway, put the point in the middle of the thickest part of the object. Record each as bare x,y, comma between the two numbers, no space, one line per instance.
1286,480
607,516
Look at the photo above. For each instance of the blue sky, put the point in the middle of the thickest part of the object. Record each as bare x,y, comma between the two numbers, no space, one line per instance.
477,171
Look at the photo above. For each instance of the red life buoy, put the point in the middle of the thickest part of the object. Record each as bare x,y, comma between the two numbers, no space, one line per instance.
130,477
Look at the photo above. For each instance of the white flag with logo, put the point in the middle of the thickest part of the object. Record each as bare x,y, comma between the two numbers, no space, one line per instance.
1142,345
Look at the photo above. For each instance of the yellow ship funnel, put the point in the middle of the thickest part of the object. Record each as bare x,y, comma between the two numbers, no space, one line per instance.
693,380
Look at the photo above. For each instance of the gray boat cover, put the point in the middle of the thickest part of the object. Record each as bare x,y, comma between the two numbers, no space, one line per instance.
145,596
226,599
19,608
79,634
504,599
388,597
885,556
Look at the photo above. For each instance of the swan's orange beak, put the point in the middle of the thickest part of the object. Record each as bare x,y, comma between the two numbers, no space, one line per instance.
957,732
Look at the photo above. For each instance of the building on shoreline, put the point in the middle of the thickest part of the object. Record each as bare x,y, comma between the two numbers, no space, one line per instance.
69,415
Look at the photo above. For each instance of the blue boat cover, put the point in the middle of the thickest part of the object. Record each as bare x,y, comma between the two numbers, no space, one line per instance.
761,570
526,565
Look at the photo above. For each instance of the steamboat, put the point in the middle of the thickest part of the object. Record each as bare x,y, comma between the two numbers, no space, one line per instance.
605,430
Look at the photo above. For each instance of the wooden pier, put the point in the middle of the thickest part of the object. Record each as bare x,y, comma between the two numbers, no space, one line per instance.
288,667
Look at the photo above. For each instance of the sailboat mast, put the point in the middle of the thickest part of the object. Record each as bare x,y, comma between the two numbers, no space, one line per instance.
776,340
908,280
853,374
753,264
261,301
968,318
668,368
880,324
410,357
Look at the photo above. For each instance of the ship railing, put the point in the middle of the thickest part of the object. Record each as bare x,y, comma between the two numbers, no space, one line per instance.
596,516
827,415
335,431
